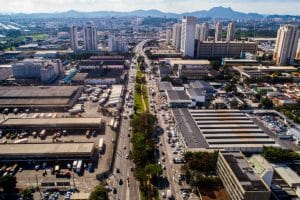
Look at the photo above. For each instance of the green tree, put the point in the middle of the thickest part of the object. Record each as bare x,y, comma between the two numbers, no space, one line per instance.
8,183
27,194
267,103
99,193
153,170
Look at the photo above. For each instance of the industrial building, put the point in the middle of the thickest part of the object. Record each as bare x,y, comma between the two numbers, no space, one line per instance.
220,129
45,70
52,123
224,49
46,151
239,179
262,71
192,69
39,97
103,69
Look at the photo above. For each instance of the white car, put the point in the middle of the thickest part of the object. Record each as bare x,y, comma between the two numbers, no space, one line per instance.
124,146
127,156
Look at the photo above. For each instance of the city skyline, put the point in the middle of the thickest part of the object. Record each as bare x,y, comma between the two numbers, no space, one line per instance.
177,6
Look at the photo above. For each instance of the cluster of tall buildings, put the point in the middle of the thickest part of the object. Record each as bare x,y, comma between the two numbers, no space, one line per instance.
89,37
117,45
287,48
192,40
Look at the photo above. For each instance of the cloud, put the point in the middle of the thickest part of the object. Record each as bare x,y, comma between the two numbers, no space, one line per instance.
260,6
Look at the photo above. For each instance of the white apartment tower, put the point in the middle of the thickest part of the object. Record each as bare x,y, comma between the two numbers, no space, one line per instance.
111,43
168,36
188,36
298,51
198,31
218,32
287,43
230,32
204,32
73,38
90,38
176,36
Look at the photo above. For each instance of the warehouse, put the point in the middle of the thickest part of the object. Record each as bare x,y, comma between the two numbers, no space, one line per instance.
222,129
39,97
46,151
52,123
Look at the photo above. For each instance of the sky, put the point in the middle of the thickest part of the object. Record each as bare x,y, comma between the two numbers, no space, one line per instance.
291,7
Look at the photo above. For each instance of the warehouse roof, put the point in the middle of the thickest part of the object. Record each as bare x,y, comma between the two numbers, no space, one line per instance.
52,122
175,95
46,149
37,91
190,62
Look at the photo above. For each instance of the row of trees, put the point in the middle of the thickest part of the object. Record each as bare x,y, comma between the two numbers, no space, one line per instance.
276,154
146,170
142,154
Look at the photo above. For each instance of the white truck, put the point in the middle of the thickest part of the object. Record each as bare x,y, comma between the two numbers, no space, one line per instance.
101,145
169,195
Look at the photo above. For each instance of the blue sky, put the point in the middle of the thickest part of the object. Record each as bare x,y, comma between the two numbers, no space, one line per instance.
179,6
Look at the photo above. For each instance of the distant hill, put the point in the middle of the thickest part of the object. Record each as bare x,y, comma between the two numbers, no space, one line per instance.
216,12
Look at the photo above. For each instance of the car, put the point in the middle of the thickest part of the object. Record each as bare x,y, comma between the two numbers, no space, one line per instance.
127,156
37,167
164,167
120,182
117,170
124,146
163,194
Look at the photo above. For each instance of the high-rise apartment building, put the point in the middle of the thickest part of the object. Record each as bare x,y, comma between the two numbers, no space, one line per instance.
188,36
230,32
198,31
298,51
204,32
90,38
287,43
176,36
168,36
117,44
218,32
111,43
73,38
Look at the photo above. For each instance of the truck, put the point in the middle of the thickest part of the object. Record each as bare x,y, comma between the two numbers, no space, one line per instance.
75,164
21,141
42,133
79,166
101,145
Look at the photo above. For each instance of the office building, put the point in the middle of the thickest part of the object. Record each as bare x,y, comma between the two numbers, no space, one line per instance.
218,32
176,37
188,36
74,38
222,49
45,70
90,38
239,179
286,44
168,36
230,32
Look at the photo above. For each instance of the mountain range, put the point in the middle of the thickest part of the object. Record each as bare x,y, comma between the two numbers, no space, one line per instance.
216,12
